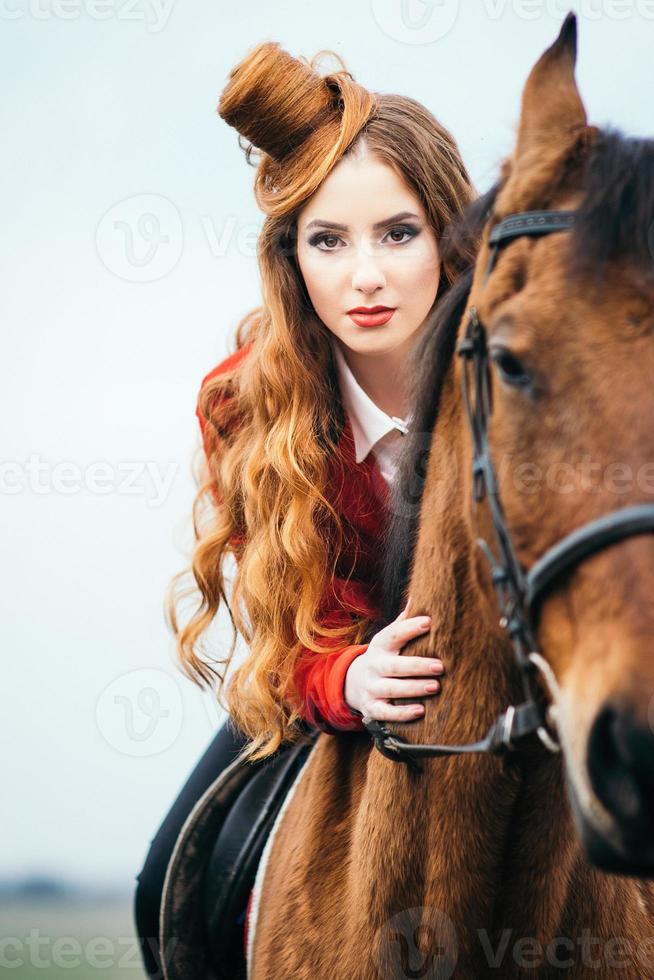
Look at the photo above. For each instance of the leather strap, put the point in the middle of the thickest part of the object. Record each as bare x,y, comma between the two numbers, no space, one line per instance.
531,223
585,541
526,223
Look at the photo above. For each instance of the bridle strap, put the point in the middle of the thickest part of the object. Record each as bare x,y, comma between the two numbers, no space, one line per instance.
511,726
531,223
586,541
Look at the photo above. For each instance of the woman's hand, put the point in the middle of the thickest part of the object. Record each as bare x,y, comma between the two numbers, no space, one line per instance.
380,673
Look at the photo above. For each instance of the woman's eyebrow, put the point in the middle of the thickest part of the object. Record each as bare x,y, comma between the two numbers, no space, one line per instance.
376,227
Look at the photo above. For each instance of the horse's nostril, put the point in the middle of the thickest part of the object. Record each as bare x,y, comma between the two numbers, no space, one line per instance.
621,765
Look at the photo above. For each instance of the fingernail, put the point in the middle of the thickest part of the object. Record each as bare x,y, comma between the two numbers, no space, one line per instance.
425,624
436,668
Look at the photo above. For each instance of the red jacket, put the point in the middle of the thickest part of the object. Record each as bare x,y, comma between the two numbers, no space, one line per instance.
359,493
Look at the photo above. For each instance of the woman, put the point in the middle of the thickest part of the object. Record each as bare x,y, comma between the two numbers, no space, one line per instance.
303,423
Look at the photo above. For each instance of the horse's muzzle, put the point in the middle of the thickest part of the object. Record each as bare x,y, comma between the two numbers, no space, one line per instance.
621,773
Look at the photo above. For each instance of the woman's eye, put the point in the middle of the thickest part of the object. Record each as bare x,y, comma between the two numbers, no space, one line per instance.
324,241
401,231
510,368
325,238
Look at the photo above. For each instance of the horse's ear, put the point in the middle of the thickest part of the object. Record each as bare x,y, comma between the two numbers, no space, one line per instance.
551,104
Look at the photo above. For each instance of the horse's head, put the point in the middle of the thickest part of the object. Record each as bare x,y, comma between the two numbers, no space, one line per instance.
569,322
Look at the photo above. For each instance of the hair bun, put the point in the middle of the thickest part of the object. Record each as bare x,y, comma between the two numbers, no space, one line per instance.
275,100
302,121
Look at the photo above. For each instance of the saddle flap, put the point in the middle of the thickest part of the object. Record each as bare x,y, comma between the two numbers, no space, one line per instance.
210,874
232,865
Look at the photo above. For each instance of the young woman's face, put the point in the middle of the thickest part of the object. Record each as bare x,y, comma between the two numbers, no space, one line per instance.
368,260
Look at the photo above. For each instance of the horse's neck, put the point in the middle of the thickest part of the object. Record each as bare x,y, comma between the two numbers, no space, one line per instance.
483,829
496,825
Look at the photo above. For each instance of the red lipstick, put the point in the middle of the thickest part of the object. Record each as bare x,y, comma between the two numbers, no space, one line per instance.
371,316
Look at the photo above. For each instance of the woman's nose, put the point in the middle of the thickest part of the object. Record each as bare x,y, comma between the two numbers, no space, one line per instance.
367,275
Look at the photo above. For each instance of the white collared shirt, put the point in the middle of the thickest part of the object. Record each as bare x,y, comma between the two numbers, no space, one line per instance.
372,428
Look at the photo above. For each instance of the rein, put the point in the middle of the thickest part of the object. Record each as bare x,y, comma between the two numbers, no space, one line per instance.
518,591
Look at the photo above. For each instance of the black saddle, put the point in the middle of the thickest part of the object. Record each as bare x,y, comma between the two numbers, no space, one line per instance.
214,862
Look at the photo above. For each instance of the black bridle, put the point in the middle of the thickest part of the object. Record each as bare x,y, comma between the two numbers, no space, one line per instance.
518,592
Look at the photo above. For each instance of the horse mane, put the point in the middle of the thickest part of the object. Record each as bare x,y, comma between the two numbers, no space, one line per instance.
616,215
615,219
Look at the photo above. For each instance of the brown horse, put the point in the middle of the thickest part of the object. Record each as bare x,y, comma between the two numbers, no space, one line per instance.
481,865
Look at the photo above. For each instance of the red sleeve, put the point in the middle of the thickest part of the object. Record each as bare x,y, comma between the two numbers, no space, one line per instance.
320,678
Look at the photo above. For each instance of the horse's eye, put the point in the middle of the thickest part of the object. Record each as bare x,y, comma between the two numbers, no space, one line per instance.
511,370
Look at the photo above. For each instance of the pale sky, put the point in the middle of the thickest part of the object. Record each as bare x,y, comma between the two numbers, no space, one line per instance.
128,255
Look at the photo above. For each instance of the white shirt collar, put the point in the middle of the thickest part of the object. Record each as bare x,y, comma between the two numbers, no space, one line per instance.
369,422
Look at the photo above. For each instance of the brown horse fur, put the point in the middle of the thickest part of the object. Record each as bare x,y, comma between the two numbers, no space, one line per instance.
476,866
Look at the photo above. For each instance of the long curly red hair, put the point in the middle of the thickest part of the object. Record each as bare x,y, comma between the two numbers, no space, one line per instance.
274,421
